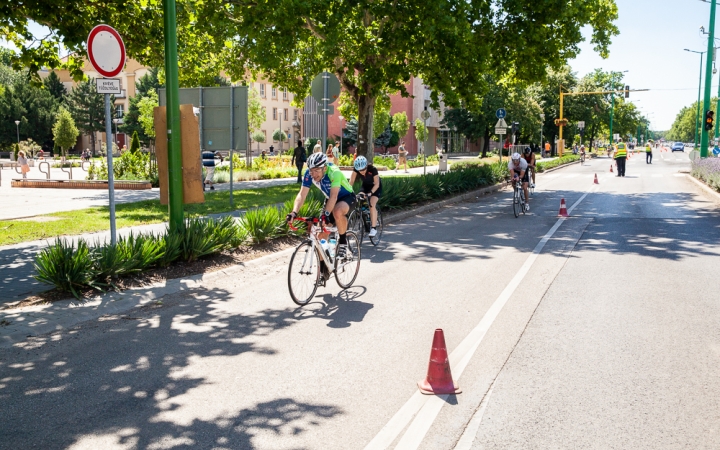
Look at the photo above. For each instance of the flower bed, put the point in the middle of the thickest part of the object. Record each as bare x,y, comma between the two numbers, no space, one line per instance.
543,166
707,170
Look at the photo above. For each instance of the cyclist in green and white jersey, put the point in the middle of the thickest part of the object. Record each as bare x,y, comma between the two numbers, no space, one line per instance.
338,193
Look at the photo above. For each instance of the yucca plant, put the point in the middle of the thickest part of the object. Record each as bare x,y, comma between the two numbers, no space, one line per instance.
263,224
202,237
66,266
111,261
171,246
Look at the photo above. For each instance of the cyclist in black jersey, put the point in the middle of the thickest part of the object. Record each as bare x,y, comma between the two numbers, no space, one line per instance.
371,186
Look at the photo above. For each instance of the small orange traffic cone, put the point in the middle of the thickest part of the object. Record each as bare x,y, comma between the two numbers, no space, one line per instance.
596,180
563,209
611,168
439,379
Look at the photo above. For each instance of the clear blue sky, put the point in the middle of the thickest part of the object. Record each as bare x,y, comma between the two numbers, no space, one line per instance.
650,46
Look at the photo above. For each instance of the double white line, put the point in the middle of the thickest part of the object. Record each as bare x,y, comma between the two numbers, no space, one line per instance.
426,408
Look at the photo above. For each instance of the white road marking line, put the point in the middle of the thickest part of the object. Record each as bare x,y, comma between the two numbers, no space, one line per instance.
678,174
468,436
429,406
657,175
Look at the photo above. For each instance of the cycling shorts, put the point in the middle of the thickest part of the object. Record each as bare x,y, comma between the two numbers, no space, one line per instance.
525,178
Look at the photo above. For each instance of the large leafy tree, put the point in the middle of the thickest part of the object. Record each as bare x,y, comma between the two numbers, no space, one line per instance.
376,47
87,108
145,86
53,84
65,132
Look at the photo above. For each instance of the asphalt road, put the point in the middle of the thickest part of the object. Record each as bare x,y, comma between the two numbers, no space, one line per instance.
598,331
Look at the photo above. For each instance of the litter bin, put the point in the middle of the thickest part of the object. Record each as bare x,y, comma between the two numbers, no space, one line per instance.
443,163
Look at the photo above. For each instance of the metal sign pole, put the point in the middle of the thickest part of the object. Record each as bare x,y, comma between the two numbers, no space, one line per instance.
502,144
325,110
111,177
232,138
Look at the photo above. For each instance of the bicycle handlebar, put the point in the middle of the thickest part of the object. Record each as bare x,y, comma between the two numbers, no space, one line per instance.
306,220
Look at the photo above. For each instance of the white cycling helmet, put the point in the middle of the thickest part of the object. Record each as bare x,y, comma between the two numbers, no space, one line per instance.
316,160
516,156
360,163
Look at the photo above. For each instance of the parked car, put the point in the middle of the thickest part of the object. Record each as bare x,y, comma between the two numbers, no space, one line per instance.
678,147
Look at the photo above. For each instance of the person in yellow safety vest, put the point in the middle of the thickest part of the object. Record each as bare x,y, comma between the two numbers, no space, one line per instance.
620,158
648,153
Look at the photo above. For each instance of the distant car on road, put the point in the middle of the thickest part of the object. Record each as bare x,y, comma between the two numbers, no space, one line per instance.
678,147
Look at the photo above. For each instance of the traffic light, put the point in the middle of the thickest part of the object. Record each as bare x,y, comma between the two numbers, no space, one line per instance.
515,128
709,120
627,91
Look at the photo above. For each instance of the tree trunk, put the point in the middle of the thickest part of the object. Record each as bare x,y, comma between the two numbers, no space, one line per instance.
92,142
366,143
486,144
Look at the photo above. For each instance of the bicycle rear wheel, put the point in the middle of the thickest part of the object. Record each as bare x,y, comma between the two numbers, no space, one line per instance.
522,201
379,228
346,270
303,273
516,202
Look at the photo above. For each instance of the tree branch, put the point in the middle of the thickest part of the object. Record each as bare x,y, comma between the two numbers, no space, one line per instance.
310,25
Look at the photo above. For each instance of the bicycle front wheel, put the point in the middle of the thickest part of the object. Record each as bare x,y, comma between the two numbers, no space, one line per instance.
376,239
516,202
303,273
346,270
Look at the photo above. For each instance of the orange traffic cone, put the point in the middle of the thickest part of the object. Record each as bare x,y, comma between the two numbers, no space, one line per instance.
563,209
439,379
596,180
611,168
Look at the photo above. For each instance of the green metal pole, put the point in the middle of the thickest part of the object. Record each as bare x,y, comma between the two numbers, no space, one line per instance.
708,80
612,106
175,185
697,112
717,111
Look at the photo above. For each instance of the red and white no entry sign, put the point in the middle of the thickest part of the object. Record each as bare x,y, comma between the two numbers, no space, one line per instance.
106,50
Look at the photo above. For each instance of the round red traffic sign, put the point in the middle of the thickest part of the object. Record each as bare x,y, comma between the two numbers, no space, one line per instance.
106,50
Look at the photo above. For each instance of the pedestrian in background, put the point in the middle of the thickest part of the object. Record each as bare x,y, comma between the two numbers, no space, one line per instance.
547,149
648,153
208,160
23,163
318,147
620,157
336,153
402,156
299,157
330,153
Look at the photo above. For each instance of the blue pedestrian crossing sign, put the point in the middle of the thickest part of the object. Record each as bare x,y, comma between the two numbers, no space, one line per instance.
500,113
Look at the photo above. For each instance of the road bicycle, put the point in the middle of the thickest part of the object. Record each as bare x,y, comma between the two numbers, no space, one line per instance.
311,265
531,184
582,158
518,198
359,220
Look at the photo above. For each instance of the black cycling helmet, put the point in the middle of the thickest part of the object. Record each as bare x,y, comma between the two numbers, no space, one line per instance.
527,150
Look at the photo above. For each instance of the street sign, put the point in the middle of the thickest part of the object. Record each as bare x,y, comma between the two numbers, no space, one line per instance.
501,124
581,124
694,155
500,113
317,88
500,130
425,114
108,85
616,136
106,51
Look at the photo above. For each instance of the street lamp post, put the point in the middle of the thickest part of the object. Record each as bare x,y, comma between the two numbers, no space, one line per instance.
697,112
612,102
17,128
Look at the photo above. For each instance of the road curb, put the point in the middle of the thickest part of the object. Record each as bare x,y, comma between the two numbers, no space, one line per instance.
713,193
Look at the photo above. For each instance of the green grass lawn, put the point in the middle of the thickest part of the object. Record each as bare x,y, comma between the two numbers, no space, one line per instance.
136,213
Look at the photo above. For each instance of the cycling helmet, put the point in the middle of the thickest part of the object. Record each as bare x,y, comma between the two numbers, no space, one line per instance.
317,160
516,156
527,150
360,163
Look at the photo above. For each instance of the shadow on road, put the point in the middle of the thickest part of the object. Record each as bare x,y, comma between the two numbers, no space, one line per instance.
125,380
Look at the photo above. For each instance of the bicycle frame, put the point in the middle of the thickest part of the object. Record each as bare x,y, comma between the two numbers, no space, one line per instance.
314,228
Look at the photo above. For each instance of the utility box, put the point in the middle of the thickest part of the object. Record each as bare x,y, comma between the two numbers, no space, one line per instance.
443,162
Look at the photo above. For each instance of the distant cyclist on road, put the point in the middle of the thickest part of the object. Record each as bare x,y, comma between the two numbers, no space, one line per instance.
529,157
371,186
338,193
517,167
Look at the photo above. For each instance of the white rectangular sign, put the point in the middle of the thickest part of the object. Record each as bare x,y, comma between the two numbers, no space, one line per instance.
581,124
108,85
499,130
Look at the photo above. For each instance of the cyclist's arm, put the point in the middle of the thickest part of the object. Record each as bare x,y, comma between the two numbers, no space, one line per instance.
352,179
300,199
330,204
376,183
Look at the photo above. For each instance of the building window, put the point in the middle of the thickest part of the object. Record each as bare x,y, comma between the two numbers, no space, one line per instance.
295,114
274,113
262,90
264,134
119,111
274,92
285,96
285,115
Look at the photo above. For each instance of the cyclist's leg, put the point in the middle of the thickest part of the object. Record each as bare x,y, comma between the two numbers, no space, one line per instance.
373,209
